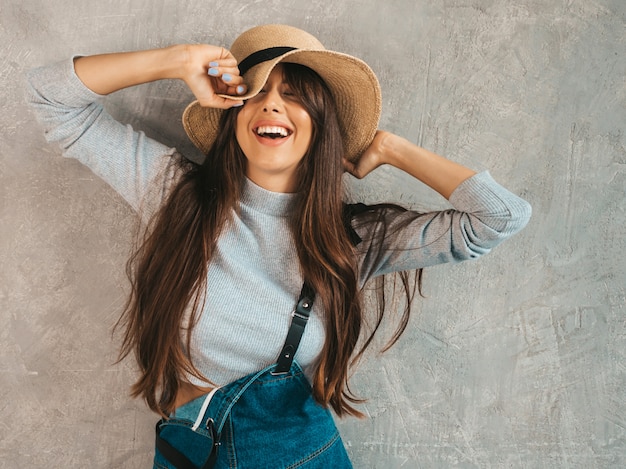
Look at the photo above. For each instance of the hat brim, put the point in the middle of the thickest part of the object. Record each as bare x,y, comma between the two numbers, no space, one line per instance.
353,84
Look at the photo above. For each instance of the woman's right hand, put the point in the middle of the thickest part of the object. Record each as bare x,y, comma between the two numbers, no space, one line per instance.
209,71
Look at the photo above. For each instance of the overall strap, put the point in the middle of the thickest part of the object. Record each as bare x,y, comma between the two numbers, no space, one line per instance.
300,317
303,308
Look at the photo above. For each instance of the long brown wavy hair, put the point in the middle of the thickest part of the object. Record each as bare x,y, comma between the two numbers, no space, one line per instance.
168,268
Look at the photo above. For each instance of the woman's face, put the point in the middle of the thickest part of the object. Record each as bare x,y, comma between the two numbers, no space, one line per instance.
274,132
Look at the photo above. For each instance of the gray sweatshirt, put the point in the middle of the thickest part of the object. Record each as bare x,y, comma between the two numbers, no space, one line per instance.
254,278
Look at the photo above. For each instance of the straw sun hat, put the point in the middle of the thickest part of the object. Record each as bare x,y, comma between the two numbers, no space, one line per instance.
352,83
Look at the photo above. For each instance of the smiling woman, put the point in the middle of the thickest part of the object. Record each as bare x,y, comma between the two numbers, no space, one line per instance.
274,128
247,280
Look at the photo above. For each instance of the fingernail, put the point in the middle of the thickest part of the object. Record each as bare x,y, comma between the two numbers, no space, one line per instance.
227,77
214,64
241,89
238,104
214,72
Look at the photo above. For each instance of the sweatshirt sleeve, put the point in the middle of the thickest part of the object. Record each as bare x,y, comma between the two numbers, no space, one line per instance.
72,117
484,215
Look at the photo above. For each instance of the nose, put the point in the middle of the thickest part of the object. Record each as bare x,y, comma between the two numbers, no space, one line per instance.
272,101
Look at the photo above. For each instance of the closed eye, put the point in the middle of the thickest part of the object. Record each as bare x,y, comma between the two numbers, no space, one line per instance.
292,96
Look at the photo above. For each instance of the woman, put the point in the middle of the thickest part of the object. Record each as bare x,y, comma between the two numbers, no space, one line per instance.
232,246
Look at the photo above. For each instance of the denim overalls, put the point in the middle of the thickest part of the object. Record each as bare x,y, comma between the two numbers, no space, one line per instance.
267,419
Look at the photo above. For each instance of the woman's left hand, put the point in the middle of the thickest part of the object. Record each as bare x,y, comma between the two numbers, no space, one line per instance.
375,155
434,170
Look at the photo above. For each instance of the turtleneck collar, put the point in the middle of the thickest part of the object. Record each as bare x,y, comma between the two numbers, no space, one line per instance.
267,202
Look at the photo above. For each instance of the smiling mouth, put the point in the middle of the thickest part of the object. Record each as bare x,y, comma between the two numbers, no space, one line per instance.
273,132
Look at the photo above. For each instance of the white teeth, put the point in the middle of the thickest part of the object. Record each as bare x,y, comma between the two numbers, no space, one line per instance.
273,130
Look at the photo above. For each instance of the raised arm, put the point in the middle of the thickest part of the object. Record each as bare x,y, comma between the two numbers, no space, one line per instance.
484,214
207,70
65,97
437,172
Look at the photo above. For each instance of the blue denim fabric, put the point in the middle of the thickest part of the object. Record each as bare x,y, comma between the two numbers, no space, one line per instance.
263,421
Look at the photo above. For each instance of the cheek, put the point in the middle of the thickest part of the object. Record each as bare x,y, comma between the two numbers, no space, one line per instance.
241,129
306,126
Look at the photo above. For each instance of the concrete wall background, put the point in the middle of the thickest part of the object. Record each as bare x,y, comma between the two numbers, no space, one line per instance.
515,360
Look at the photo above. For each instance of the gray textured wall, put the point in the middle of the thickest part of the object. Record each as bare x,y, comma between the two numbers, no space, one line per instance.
515,360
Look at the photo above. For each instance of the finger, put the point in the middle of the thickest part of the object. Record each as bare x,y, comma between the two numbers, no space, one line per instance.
224,62
227,88
217,70
236,90
230,79
225,54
